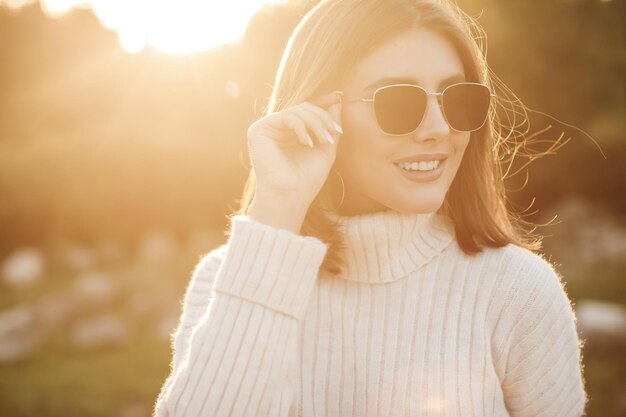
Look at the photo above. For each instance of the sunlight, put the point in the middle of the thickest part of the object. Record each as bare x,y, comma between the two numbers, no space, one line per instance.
166,25
59,7
16,4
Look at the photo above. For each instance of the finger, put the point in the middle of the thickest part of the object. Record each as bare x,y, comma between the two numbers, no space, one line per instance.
325,116
314,124
326,99
296,124
282,120
335,112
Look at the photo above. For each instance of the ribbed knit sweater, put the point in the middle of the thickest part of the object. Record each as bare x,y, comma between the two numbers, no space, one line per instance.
412,327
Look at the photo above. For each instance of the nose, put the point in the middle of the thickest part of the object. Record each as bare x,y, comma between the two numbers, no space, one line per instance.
434,125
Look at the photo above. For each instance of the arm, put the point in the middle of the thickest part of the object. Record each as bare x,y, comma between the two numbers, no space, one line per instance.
195,302
543,368
238,354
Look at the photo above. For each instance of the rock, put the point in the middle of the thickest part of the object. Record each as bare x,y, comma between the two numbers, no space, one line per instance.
104,330
18,338
602,324
601,317
157,247
140,304
96,288
79,258
109,252
55,311
17,319
19,347
24,267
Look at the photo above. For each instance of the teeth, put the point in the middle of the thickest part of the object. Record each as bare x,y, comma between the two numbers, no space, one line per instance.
419,166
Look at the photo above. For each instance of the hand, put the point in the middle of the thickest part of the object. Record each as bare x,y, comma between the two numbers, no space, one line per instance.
291,150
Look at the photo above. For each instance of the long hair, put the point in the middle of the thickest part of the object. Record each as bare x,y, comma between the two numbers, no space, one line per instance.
329,42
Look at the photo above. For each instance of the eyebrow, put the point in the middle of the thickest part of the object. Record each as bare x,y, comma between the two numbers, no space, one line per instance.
404,80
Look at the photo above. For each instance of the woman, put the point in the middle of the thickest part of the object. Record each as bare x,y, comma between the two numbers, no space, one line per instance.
373,268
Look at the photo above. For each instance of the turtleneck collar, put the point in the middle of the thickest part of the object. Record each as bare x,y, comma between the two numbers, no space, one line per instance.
388,245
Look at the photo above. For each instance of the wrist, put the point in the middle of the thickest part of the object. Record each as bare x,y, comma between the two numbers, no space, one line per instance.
279,212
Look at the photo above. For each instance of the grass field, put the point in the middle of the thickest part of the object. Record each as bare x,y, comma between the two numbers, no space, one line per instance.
62,380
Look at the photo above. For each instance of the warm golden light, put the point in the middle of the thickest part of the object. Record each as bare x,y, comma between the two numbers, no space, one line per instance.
60,7
166,25
16,4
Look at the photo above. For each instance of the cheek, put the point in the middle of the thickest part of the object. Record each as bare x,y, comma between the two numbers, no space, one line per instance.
460,145
358,121
464,141
363,146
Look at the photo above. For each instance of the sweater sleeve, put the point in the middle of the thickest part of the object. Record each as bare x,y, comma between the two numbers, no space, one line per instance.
195,302
235,353
543,368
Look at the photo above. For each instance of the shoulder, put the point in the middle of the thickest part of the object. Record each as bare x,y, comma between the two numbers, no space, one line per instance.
205,270
527,303
533,335
212,259
525,286
533,270
515,261
518,275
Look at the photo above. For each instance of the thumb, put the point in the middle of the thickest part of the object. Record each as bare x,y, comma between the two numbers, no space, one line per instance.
335,112
331,102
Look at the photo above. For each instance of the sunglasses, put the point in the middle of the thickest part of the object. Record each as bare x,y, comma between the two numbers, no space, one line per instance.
400,108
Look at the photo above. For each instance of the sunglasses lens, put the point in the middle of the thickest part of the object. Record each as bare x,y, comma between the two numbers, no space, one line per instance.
466,106
399,109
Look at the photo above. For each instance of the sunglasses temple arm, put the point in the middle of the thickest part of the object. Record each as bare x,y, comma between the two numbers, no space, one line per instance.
341,100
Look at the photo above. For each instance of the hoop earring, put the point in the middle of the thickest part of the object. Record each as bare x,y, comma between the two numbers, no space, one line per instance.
342,190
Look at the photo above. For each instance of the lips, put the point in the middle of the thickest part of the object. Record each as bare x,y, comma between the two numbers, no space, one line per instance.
423,176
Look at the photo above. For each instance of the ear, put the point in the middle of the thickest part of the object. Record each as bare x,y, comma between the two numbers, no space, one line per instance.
340,95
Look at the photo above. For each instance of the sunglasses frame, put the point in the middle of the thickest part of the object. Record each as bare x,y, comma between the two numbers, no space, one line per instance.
439,101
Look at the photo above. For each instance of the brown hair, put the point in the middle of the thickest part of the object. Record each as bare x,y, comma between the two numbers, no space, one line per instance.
330,40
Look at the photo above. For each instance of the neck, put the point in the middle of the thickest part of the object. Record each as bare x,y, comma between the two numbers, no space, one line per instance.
387,245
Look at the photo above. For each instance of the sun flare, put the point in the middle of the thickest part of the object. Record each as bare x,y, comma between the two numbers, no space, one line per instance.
166,25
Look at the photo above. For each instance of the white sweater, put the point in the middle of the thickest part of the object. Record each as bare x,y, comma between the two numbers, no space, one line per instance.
414,327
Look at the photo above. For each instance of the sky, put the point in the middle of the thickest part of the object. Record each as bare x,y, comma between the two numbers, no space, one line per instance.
172,26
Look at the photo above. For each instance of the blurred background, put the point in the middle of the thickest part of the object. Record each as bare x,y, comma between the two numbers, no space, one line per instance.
123,148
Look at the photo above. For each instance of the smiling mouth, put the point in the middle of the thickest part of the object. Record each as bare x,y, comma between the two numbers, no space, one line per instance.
424,171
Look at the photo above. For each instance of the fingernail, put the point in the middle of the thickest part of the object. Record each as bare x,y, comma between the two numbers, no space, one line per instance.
309,140
337,127
329,138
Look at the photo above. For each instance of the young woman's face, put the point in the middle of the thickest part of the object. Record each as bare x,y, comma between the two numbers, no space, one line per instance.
366,155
